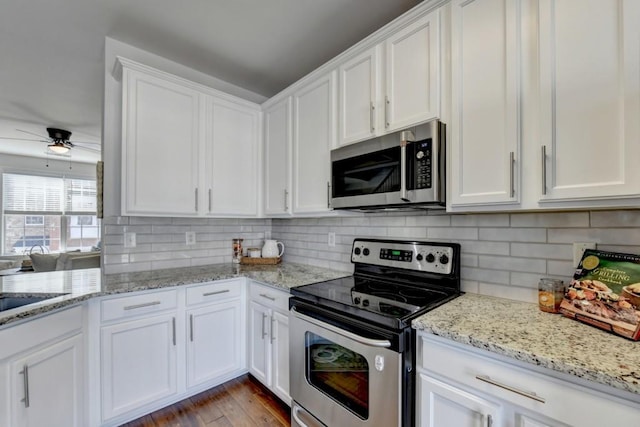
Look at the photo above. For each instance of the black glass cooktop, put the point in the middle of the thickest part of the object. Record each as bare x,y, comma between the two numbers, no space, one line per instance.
385,302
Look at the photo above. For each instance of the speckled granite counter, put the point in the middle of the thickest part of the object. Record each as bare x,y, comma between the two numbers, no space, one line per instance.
521,331
80,285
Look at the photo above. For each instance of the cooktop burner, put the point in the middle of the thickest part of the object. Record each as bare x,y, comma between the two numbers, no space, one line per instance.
393,281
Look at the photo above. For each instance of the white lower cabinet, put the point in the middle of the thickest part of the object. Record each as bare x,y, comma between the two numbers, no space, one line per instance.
159,347
42,372
462,386
269,339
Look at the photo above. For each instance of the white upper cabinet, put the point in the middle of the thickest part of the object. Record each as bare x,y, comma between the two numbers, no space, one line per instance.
277,155
187,150
314,124
231,165
160,142
359,80
590,99
485,122
392,85
412,89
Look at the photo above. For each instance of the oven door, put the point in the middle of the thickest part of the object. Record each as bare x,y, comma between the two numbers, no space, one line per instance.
342,378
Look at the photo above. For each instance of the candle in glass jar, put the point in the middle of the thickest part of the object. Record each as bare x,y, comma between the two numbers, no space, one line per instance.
237,250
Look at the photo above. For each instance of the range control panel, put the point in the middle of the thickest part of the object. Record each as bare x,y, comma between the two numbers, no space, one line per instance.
421,256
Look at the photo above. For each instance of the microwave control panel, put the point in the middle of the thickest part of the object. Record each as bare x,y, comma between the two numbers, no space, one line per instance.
422,164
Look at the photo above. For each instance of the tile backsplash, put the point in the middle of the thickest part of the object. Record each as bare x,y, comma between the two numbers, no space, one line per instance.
503,254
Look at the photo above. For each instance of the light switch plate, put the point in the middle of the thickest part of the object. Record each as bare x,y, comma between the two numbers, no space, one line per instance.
129,240
578,250
190,237
331,239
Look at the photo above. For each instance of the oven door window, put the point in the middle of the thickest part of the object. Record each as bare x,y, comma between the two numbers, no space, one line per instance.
371,173
339,372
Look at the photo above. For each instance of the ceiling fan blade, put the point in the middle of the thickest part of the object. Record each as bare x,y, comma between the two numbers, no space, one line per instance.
22,139
31,133
80,147
74,142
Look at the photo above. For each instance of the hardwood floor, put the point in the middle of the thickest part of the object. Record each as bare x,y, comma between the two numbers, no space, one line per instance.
242,402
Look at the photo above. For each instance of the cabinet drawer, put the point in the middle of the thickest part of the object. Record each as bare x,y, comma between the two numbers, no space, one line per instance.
270,297
554,398
214,291
136,305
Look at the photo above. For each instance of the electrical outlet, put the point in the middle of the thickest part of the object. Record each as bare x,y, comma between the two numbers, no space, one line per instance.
129,240
331,239
578,250
190,237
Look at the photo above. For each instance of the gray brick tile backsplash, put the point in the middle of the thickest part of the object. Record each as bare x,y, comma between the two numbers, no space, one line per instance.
502,254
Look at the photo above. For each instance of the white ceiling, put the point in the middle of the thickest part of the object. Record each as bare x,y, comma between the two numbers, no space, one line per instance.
52,50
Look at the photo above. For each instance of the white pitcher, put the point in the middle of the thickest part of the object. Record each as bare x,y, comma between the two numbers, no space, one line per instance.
270,249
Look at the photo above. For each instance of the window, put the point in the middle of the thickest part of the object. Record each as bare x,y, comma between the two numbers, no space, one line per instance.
57,214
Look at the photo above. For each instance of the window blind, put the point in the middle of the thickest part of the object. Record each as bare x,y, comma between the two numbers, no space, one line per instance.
30,194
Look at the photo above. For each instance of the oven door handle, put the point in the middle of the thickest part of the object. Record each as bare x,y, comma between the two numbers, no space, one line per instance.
362,340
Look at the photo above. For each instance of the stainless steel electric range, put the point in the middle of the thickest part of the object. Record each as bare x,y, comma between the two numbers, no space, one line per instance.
352,348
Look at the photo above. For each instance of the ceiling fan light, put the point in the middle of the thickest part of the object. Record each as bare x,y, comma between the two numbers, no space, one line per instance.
58,148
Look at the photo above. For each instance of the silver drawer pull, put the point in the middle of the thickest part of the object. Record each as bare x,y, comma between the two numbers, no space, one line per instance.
267,297
25,382
530,395
208,294
146,304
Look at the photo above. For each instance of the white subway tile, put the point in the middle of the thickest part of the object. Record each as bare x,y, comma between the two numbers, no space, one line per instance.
483,275
550,219
561,268
453,233
127,268
115,220
145,220
525,265
480,220
542,250
388,221
509,292
623,218
468,260
428,221
470,286
485,248
176,263
514,234
407,233
526,280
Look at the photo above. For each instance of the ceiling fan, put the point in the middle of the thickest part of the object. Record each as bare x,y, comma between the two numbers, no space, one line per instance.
59,141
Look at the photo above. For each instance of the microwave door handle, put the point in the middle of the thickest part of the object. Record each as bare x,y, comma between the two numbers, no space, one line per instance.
405,138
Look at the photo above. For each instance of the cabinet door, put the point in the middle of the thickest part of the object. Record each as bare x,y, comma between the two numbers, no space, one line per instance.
277,169
138,363
48,386
159,146
280,351
232,159
259,346
485,146
214,346
314,109
443,405
359,80
590,98
413,73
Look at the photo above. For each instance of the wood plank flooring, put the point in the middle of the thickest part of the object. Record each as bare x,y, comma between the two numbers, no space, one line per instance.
242,402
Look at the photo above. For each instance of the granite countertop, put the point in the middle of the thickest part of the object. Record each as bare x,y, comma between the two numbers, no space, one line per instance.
521,331
80,285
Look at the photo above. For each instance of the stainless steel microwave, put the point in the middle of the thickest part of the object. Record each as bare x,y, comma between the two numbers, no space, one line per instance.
402,169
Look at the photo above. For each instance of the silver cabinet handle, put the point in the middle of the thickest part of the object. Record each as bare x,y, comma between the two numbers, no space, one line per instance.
405,138
387,103
362,340
512,188
489,420
208,294
25,382
271,329
191,327
173,324
264,331
544,170
196,194
210,200
328,194
146,304
286,197
372,117
530,395
267,297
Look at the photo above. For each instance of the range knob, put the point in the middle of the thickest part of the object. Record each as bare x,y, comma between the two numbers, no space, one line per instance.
365,252
444,259
356,251
430,258
356,300
420,155
365,303
419,257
